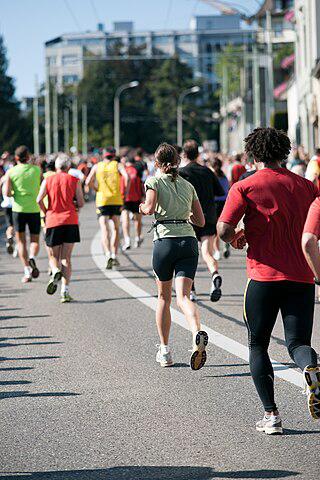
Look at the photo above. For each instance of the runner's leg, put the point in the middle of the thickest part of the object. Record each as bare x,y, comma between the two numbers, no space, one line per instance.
163,315
190,310
125,219
261,307
34,245
22,248
115,234
207,245
105,234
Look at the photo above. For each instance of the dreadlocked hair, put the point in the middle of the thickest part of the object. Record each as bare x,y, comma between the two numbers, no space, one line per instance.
168,159
268,145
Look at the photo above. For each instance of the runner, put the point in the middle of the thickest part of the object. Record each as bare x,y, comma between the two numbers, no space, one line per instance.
23,183
61,218
220,200
174,202
109,202
275,203
132,199
6,204
207,187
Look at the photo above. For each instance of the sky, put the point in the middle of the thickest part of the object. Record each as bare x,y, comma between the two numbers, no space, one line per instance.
27,24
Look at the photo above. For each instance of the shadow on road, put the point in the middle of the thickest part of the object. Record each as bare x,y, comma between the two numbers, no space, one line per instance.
149,473
26,393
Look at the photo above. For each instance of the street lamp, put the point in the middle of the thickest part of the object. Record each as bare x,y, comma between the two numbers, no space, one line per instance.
181,98
116,111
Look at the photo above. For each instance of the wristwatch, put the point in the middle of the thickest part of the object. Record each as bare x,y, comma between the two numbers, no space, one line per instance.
316,281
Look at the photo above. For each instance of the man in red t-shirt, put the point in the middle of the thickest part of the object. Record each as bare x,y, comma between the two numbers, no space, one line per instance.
274,203
62,224
132,199
237,169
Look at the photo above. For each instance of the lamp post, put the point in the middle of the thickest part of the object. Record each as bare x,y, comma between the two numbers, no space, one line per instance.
116,111
181,98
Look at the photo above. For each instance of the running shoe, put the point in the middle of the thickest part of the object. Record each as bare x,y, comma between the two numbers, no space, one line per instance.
109,264
126,246
312,381
138,242
53,282
215,293
115,262
270,424
34,269
226,251
66,297
193,296
199,354
217,255
26,279
164,357
10,245
15,252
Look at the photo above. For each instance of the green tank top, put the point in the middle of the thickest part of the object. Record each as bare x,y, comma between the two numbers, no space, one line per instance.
25,180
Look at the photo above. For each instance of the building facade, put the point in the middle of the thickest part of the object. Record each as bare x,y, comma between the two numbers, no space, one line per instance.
304,90
199,46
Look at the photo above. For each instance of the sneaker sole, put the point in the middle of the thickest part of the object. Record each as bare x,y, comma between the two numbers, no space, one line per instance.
109,264
313,399
53,284
164,365
35,271
10,249
199,356
271,430
216,294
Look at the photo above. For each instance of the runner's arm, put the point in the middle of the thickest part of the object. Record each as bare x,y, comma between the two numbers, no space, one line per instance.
8,186
79,195
126,178
41,196
311,252
232,213
149,205
197,217
90,182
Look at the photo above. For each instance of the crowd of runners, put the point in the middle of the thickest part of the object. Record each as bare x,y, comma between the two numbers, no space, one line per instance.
265,200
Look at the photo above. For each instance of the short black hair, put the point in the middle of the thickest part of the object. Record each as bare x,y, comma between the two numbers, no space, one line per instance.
22,153
178,148
317,151
191,150
268,145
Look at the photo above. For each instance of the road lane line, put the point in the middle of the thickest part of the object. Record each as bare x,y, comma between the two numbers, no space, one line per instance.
216,338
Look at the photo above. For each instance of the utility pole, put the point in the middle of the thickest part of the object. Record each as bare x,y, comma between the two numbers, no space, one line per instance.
256,88
66,130
55,114
36,145
270,96
224,102
84,130
47,114
75,121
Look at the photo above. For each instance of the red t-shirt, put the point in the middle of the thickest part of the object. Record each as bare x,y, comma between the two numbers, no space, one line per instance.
312,224
275,205
136,190
236,172
61,191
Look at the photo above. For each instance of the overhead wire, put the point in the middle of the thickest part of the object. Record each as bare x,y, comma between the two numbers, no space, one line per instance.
72,14
95,11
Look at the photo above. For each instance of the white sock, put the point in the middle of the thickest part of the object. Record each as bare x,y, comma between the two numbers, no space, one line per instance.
64,289
164,349
54,270
127,240
137,239
27,271
113,256
31,257
108,255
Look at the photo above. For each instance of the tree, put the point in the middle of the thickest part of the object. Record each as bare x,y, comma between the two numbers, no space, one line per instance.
13,128
229,64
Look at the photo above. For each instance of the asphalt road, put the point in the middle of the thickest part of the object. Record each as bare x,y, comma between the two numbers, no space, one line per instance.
82,396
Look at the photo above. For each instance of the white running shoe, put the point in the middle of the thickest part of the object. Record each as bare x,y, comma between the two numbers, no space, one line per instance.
126,246
199,354
270,424
215,293
217,255
193,296
164,356
138,242
312,380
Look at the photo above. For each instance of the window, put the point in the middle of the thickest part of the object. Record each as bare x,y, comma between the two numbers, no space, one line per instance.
162,40
185,39
70,59
51,61
70,79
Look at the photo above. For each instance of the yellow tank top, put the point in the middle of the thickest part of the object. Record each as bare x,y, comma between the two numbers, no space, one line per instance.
108,179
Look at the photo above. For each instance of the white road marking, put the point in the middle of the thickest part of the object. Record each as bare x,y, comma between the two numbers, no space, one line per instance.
216,338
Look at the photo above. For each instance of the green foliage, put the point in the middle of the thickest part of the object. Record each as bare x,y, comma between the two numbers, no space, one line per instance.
229,63
13,128
281,52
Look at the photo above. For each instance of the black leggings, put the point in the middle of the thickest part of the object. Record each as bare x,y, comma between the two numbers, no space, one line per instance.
263,301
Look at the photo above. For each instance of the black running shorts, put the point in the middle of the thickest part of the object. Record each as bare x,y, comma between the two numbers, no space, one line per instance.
21,220
63,234
175,256
209,230
132,207
9,219
109,211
